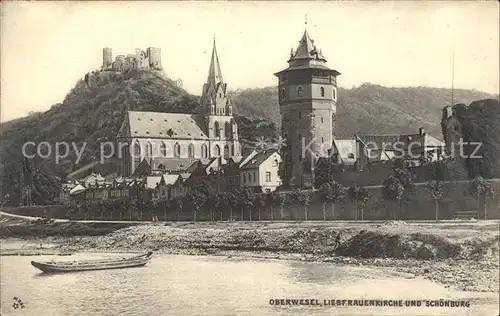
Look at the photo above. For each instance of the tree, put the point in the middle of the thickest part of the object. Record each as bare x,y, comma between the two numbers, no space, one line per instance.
72,209
245,199
436,189
393,191
178,204
302,198
331,192
274,199
221,203
361,196
195,199
480,187
261,203
212,203
199,194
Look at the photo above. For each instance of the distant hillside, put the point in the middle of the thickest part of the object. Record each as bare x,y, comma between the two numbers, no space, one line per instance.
94,109
369,108
92,112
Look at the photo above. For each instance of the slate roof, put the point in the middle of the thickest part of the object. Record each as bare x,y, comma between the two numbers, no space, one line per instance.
165,125
307,49
174,164
257,160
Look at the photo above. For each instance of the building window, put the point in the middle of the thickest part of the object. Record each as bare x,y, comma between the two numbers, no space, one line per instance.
254,177
226,151
268,176
244,178
217,150
137,150
232,150
163,149
204,151
275,163
334,95
350,156
300,92
177,150
322,119
216,129
283,94
191,151
300,115
322,140
322,90
149,149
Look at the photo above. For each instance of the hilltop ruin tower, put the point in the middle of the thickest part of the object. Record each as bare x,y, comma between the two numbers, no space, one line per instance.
307,100
148,59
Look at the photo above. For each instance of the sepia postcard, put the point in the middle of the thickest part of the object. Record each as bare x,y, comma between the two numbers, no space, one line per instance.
224,158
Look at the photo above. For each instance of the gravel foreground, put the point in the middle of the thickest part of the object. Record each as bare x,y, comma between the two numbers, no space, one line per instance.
461,255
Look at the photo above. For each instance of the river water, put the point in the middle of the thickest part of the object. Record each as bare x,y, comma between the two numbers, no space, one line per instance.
192,285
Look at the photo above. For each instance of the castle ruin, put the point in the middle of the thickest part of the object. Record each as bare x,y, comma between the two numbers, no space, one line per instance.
148,59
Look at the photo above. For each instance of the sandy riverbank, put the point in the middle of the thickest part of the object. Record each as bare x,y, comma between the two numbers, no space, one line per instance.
462,255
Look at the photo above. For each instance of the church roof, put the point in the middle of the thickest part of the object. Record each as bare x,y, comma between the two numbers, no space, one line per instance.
214,72
165,125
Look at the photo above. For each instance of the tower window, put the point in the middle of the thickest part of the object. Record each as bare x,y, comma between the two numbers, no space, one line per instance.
177,150
321,119
322,140
300,92
334,96
300,115
322,90
283,94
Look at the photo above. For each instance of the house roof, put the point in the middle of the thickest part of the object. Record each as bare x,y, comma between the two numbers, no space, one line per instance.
347,150
152,182
77,189
175,164
164,125
170,179
257,159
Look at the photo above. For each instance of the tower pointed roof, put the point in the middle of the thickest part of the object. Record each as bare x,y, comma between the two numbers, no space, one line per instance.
307,49
214,72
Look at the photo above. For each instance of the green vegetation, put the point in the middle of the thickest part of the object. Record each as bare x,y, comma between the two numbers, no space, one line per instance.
93,112
369,108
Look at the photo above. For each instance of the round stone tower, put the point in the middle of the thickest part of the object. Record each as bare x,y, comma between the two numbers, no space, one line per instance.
307,99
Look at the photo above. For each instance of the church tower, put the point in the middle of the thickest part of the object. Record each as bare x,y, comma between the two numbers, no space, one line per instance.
218,112
307,100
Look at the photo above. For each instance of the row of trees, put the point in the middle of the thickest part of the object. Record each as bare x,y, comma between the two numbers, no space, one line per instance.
244,203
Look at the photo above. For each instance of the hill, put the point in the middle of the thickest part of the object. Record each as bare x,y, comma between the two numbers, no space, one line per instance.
369,108
92,113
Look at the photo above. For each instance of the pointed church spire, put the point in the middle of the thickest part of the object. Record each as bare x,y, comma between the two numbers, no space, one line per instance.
214,72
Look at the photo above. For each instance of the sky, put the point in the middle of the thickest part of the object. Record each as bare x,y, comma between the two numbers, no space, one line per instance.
47,46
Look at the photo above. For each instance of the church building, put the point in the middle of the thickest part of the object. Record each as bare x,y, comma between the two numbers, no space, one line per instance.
160,138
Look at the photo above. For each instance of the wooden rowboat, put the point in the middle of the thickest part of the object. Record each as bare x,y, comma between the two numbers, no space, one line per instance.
99,264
